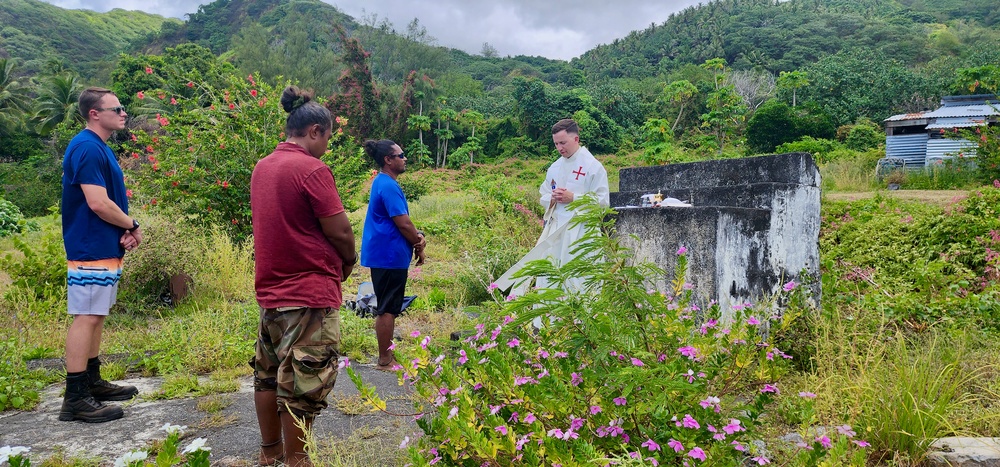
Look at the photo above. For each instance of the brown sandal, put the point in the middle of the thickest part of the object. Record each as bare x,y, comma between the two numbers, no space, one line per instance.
276,461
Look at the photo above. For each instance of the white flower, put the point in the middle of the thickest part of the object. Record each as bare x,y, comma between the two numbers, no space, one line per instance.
198,444
406,441
172,429
129,457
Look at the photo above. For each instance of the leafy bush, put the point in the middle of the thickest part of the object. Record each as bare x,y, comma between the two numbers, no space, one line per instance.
987,152
169,248
618,373
913,261
11,219
862,136
34,185
821,149
38,267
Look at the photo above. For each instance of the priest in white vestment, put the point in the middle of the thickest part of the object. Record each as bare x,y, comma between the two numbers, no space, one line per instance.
576,173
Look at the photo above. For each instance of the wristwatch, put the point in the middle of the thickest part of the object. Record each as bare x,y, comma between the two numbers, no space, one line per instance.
135,225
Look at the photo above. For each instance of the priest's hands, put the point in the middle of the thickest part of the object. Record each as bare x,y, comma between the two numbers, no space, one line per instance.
562,195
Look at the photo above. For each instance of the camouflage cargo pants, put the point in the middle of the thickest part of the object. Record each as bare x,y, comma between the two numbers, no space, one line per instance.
296,355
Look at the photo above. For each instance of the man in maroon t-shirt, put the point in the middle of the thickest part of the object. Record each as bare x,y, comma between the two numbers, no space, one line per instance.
304,249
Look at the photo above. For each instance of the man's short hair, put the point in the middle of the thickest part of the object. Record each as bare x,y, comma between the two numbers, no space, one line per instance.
90,99
567,124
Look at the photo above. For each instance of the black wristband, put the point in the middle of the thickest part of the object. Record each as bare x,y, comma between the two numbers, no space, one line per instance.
135,225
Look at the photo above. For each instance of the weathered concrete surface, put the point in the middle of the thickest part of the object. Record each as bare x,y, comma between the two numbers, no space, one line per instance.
735,255
795,168
965,452
233,443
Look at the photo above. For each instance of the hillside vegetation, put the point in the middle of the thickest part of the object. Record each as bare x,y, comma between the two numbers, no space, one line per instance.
43,35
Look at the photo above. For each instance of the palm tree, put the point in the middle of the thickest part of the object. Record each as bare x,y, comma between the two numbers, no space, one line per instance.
58,101
13,98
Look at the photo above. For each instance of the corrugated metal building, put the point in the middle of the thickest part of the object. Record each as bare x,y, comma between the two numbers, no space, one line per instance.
922,138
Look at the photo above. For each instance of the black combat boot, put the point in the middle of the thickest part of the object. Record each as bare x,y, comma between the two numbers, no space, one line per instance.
78,404
103,390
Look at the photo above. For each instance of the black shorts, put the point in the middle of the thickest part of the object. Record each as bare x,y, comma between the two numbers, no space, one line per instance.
390,286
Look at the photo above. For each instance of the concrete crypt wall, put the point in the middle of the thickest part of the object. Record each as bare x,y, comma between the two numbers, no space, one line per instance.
753,225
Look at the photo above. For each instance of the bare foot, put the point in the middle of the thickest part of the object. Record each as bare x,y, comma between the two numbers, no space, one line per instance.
271,454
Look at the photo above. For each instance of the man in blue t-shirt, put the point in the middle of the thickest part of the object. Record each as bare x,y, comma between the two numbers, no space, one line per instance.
97,231
388,243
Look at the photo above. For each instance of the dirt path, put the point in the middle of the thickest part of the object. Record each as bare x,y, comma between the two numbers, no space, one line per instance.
935,197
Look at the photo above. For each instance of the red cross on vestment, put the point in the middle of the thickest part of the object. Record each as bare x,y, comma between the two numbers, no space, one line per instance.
579,172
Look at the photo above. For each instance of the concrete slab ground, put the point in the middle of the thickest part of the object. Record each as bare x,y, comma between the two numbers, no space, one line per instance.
965,452
231,433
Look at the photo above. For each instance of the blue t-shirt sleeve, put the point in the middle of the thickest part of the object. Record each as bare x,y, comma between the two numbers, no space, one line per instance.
394,201
87,163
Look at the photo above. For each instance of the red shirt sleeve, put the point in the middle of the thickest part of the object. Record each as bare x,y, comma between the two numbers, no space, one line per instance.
321,191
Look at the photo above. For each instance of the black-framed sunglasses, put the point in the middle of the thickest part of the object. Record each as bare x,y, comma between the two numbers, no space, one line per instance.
401,155
118,110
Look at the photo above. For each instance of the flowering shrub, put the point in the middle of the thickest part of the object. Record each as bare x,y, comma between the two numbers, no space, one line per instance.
618,374
198,146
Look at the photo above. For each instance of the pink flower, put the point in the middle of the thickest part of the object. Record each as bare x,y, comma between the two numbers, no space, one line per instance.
697,453
140,95
651,445
753,321
739,447
769,388
575,379
513,343
675,445
149,70
824,441
846,431
415,334
173,101
682,250
760,460
190,84
807,395
788,287
462,358
253,92
594,410
637,362
530,418
689,352
620,401
690,422
733,426
502,429
860,443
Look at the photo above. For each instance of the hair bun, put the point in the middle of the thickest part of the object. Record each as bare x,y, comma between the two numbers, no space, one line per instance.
293,98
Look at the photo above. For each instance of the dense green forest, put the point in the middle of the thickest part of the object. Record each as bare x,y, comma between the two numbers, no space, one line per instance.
726,79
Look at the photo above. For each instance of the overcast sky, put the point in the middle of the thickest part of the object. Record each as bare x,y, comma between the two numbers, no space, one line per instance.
552,29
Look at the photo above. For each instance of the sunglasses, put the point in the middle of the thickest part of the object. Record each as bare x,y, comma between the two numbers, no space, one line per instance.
401,155
118,110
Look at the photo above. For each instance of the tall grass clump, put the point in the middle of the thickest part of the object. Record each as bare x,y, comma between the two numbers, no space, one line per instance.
901,391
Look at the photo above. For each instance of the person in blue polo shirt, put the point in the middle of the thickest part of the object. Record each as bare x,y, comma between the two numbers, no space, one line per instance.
97,231
388,243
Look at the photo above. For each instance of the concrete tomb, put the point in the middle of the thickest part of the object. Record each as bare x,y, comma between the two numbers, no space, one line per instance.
753,225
